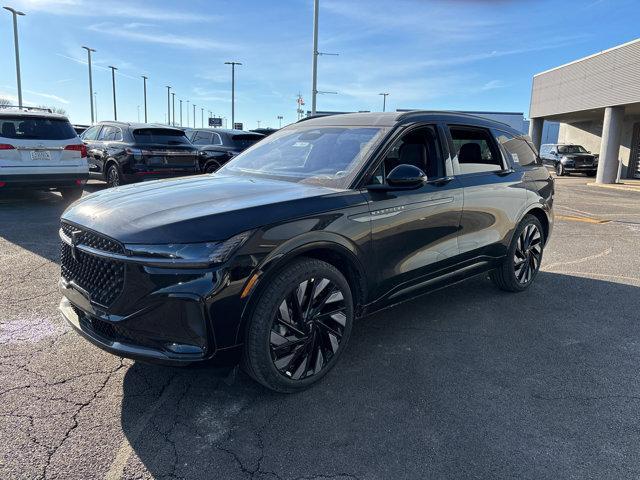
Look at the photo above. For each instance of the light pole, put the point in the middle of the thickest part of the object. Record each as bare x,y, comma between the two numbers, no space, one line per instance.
168,105
201,117
233,90
188,114
95,96
180,112
384,100
89,50
144,80
113,82
15,14
279,117
314,65
258,123
194,115
138,113
173,108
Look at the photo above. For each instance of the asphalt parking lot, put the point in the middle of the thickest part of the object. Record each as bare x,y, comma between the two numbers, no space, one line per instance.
468,382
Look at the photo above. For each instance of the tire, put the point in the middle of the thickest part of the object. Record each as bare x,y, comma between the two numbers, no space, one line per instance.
113,176
71,194
522,263
560,171
288,352
591,174
211,167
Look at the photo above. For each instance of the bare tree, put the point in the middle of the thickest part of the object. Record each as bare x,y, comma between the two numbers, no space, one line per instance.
59,110
4,102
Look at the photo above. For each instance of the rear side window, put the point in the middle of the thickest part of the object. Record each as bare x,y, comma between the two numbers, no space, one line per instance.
110,134
36,128
160,136
201,138
243,141
518,148
475,150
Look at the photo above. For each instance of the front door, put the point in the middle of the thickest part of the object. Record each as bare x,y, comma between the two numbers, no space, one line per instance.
414,232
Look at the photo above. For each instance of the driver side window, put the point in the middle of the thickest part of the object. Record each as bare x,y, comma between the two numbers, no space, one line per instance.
420,148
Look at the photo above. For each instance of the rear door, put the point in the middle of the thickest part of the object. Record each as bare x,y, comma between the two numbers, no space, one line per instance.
494,192
39,144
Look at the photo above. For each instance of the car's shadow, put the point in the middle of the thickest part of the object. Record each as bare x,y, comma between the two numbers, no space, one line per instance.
468,382
31,219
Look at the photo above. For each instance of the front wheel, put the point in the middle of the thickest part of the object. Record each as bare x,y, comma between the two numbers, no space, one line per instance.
522,263
300,326
591,174
211,167
560,171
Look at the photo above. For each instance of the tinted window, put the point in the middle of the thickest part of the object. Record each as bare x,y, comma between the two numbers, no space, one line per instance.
160,136
201,138
329,156
571,149
110,134
91,133
245,140
517,147
36,128
475,150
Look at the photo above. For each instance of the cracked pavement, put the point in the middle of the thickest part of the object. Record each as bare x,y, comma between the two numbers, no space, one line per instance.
467,382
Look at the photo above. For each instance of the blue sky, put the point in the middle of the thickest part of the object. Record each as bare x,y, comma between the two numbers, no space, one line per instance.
458,54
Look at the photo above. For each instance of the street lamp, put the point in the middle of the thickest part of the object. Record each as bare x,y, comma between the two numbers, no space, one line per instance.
168,105
233,90
258,123
15,14
89,50
95,95
279,117
113,82
384,100
314,64
188,113
173,108
180,112
201,117
144,80
194,115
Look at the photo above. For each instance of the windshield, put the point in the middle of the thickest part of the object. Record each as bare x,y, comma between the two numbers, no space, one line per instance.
36,128
327,156
571,149
160,136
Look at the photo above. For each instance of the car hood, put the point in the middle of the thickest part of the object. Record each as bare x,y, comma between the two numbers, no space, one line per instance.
198,209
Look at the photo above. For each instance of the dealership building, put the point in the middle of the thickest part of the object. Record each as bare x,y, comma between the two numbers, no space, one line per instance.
596,100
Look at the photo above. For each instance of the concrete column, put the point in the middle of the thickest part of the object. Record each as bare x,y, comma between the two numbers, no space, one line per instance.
610,146
535,131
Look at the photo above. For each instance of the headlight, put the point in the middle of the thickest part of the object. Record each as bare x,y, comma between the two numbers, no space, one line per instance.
187,254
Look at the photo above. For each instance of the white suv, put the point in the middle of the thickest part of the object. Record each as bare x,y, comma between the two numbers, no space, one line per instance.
41,150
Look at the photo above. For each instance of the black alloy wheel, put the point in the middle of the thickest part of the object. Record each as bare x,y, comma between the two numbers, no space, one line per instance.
211,167
300,326
524,257
113,176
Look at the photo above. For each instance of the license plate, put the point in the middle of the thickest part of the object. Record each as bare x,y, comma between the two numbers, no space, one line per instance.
40,155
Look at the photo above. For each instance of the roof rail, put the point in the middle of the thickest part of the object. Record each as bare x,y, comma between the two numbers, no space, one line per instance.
408,113
317,115
28,109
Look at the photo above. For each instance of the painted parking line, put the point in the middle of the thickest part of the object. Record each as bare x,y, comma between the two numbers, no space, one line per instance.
572,218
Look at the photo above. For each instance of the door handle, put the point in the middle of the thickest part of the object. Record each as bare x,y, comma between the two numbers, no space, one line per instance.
441,181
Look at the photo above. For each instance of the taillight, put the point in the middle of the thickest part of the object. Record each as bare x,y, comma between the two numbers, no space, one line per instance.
6,146
81,147
2,184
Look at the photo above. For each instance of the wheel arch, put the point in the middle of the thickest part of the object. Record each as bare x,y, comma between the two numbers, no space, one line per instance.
334,252
542,217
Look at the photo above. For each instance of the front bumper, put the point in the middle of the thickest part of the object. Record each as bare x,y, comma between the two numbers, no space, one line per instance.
581,168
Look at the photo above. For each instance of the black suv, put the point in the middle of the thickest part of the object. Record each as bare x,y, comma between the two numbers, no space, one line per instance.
270,259
122,153
218,146
566,159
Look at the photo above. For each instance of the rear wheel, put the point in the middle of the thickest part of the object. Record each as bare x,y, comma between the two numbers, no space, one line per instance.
522,263
71,194
211,167
114,177
300,326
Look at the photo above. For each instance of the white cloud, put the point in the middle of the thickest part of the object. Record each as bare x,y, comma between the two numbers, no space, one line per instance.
111,9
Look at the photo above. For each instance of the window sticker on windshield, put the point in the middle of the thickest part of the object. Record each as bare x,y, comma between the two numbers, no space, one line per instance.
515,157
301,144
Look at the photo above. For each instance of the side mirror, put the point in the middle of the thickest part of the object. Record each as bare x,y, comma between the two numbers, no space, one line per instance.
402,177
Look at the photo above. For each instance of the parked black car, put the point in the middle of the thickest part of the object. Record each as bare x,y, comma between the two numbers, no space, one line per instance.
270,259
567,159
122,153
218,146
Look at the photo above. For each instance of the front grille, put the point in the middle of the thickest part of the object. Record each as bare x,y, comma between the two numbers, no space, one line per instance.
101,278
111,331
